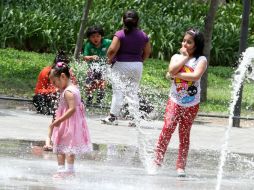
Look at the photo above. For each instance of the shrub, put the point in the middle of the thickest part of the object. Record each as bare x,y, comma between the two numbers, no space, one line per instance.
48,25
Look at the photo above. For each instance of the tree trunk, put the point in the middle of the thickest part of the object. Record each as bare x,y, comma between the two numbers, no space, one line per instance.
208,40
242,47
80,37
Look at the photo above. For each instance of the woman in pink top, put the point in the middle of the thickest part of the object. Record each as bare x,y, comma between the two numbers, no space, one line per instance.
70,132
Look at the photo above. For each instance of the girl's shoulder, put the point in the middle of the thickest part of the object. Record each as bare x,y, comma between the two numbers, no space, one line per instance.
196,61
175,56
202,58
71,88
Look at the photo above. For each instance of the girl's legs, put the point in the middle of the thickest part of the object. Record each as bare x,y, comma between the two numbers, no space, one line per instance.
187,117
89,86
70,163
63,172
101,90
170,122
61,162
89,92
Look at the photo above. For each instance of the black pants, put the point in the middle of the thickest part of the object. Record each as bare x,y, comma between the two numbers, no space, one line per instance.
45,104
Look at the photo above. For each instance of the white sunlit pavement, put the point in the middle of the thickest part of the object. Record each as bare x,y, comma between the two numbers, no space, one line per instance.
27,125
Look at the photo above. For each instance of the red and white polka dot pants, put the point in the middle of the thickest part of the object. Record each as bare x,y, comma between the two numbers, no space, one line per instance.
184,117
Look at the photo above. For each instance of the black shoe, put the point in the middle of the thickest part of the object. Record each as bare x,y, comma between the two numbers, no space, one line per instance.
110,120
89,100
100,96
98,101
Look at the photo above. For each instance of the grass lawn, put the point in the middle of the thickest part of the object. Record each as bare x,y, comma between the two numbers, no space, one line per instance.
19,71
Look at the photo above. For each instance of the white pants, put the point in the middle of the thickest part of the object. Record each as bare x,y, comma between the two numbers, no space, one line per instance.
125,80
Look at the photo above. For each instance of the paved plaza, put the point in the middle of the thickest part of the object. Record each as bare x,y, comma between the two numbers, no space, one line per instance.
115,163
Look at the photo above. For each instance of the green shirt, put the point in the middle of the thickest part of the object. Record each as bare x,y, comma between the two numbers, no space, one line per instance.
90,49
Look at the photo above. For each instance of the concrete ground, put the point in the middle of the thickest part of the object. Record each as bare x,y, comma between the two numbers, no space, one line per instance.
20,124
21,170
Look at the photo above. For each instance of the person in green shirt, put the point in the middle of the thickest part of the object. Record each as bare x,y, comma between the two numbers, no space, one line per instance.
94,54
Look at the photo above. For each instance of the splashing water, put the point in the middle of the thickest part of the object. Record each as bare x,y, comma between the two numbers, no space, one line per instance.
145,143
81,69
246,62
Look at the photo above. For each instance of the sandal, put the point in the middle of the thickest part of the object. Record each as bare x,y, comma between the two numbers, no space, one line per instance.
47,148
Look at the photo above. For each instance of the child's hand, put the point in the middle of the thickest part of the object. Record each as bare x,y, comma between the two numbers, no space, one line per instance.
91,58
184,52
56,123
168,76
95,57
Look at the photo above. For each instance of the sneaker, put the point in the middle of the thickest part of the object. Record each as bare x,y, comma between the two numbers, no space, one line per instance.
110,120
153,168
98,101
89,100
132,124
181,172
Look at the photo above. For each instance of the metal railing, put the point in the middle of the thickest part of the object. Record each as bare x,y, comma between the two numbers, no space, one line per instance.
107,107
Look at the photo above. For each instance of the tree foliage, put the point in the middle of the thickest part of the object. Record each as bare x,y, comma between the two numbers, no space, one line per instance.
47,25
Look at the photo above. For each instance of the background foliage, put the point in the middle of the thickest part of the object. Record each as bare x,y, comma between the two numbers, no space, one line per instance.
47,25
19,72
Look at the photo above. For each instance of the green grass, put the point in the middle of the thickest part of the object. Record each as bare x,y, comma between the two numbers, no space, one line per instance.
19,71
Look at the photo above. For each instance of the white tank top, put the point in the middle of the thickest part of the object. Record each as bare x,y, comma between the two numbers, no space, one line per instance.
186,93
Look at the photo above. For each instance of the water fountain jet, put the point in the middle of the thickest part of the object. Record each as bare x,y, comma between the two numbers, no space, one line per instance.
245,62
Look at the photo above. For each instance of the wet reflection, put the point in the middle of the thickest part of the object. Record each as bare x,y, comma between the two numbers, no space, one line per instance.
110,166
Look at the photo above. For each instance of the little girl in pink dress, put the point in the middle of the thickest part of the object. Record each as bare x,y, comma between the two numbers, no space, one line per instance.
70,132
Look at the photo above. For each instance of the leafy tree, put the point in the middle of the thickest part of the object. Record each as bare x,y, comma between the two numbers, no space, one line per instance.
80,37
208,40
242,47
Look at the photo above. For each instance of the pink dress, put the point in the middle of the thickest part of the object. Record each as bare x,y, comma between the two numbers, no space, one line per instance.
72,136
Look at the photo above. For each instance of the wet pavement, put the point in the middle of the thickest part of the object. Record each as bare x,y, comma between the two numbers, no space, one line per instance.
115,162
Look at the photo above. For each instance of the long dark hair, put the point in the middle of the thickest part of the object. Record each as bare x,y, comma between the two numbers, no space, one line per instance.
198,40
130,20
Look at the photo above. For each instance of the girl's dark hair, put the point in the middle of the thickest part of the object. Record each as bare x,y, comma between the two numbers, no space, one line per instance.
130,20
61,56
198,40
60,64
93,30
59,68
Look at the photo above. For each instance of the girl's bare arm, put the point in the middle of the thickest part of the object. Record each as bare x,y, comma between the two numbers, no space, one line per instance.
196,75
69,97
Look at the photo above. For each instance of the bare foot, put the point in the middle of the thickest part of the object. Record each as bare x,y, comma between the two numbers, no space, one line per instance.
63,175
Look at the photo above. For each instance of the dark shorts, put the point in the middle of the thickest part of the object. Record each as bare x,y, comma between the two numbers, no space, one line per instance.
93,76
46,104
